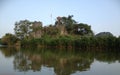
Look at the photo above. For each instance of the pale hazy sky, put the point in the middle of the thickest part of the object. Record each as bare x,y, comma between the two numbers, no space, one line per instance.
102,15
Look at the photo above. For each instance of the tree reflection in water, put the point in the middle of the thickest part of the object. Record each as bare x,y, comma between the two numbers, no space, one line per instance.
64,62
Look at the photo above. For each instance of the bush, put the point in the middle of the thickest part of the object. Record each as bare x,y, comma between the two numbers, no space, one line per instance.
75,42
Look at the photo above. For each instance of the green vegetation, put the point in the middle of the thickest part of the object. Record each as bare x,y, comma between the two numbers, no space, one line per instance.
25,29
9,39
66,33
0,41
71,42
22,28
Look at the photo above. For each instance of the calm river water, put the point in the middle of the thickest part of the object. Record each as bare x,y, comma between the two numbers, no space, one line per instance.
58,62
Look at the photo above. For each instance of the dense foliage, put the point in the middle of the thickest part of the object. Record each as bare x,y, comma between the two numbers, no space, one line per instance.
66,33
64,25
0,41
71,42
22,28
9,39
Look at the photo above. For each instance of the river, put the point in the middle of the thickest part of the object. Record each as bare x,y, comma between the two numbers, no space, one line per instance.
58,62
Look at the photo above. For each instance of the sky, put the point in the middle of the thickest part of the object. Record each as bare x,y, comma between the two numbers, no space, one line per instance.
102,15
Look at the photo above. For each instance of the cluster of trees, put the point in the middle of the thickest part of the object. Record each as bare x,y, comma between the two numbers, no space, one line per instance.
0,41
69,42
51,31
24,28
76,35
9,39
72,27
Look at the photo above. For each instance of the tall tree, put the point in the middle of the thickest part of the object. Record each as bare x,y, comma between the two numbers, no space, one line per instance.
23,28
82,29
69,23
73,27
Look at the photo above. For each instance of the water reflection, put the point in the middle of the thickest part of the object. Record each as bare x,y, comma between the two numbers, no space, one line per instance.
63,62
8,52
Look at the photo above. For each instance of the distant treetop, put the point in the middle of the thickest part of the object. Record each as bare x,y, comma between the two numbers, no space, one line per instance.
104,34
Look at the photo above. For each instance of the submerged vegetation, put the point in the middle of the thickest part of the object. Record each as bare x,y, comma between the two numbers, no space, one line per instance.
65,33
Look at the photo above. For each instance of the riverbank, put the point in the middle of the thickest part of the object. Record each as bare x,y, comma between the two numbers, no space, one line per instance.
74,43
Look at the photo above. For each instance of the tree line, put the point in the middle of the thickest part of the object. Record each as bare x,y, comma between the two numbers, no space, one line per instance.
65,33
70,42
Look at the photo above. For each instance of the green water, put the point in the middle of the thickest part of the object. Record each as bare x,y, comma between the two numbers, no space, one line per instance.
58,62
